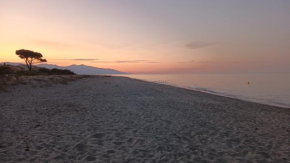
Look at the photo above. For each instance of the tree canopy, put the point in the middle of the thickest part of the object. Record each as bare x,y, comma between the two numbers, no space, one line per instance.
29,57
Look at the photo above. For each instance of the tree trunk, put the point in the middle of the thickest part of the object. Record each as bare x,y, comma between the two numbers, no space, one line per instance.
28,64
29,68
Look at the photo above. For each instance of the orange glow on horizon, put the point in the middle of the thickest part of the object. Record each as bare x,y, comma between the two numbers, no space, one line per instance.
181,38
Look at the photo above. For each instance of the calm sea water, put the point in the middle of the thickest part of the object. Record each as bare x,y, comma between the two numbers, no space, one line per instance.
271,89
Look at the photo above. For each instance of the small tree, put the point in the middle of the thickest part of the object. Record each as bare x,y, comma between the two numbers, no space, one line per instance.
30,57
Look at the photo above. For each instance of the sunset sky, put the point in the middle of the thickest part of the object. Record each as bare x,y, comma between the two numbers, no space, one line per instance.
151,36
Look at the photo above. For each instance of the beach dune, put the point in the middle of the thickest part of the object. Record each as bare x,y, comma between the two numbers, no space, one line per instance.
123,120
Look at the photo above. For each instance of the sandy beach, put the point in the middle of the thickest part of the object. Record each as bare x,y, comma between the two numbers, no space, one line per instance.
123,120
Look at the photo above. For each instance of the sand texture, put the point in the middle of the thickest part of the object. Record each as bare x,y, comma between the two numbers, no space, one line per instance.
122,120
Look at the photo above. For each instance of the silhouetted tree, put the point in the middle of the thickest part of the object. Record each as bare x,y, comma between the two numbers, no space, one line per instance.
29,57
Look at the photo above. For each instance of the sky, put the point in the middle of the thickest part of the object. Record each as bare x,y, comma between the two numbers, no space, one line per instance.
151,36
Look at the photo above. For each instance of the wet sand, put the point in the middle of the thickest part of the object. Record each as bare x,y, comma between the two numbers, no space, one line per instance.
122,120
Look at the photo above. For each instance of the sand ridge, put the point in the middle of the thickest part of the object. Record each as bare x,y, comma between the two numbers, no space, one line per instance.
122,120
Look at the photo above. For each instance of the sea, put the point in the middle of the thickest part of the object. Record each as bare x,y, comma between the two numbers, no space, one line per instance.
269,89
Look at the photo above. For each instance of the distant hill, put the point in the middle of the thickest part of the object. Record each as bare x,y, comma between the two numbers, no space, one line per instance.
78,69
83,69
12,64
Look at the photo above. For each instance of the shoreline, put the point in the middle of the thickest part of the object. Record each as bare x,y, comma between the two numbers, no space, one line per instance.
222,94
119,119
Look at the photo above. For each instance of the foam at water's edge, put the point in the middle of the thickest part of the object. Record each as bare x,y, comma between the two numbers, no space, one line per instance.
261,101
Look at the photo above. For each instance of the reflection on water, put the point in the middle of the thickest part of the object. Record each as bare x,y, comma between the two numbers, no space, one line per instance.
273,89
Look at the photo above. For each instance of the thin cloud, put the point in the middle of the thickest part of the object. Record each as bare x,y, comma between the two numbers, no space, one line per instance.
197,45
82,59
102,62
127,61
153,62
132,61
78,59
223,62
192,61
53,43
231,62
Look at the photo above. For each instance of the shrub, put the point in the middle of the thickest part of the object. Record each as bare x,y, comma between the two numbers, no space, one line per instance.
44,70
5,70
26,73
56,71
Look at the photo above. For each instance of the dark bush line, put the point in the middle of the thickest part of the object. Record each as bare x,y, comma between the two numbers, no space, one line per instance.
6,70
55,71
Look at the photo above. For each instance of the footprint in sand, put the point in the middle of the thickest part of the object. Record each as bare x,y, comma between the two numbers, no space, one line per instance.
90,158
99,135
118,143
80,147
